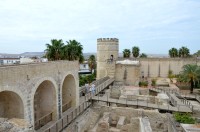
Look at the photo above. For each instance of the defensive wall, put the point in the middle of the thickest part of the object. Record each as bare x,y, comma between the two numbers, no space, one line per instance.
107,56
39,92
159,67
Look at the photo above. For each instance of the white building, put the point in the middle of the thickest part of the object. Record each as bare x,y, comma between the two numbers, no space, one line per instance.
84,68
9,61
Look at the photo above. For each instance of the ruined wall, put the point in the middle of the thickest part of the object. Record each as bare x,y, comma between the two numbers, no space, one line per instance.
129,74
25,79
111,115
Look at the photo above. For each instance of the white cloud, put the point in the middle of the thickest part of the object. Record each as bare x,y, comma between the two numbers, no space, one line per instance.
30,21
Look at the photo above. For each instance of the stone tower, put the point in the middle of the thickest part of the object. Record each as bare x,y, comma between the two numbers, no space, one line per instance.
107,54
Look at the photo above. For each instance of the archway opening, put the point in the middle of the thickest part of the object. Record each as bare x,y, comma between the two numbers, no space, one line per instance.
44,104
11,105
68,93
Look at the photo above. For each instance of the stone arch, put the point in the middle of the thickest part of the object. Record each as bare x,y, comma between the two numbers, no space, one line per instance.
44,97
21,94
69,91
11,105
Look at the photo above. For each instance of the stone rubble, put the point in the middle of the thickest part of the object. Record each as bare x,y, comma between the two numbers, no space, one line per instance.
14,125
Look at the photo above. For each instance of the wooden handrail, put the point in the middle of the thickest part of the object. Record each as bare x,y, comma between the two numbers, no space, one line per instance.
44,116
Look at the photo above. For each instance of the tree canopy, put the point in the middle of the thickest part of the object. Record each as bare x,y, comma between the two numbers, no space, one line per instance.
135,51
73,51
173,52
92,62
190,73
126,53
57,50
197,54
184,52
143,55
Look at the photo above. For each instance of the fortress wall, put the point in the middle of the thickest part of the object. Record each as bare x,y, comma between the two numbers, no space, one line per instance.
164,68
176,66
144,68
131,77
161,66
154,68
25,79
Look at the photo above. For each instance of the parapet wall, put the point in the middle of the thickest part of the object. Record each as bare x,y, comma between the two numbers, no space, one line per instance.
107,40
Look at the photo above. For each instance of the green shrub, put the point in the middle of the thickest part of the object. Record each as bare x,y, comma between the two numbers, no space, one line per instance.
86,79
143,83
153,82
184,118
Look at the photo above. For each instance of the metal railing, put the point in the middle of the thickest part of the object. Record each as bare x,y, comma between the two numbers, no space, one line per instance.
43,120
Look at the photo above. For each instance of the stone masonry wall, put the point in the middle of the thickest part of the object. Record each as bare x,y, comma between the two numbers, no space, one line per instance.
25,79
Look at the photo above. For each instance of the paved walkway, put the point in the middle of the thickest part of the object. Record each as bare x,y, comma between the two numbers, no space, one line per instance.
180,108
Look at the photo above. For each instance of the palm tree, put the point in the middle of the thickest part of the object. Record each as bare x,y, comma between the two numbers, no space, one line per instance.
92,62
73,51
135,51
197,53
143,55
126,53
173,52
191,73
55,50
184,52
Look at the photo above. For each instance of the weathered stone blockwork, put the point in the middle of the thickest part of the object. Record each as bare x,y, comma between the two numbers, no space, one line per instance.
24,80
107,53
159,67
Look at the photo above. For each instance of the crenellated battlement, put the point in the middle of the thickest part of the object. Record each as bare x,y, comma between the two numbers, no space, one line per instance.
107,40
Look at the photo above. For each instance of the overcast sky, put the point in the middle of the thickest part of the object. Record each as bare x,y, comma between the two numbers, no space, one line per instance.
153,25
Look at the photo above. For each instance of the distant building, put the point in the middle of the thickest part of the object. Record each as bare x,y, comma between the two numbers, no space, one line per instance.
26,60
32,60
9,61
84,68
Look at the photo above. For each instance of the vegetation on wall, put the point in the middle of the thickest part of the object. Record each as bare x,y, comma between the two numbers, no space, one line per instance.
185,118
153,82
143,84
170,74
